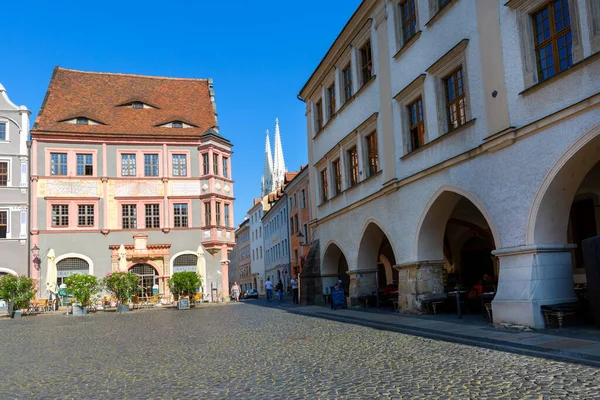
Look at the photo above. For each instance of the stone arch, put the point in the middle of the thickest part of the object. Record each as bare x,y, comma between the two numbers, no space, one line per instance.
549,215
7,271
77,255
334,266
370,241
429,240
191,252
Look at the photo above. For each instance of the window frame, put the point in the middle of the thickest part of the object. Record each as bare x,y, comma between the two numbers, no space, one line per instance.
324,185
181,219
372,153
154,217
5,124
225,166
6,174
402,23
179,170
129,164
459,101
85,164
336,166
86,215
205,163
552,40
419,125
331,101
152,165
365,53
218,213
227,217
60,215
215,163
6,223
353,165
59,163
347,82
131,216
318,115
207,213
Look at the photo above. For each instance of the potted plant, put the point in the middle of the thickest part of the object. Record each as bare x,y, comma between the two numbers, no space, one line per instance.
17,291
184,283
121,285
83,287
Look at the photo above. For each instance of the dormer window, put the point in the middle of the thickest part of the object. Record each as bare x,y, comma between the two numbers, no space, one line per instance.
83,121
176,124
138,104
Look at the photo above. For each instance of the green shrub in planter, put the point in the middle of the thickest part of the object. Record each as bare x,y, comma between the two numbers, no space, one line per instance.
17,290
121,285
83,287
184,283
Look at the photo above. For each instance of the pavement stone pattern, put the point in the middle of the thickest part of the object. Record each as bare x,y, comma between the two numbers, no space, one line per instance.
257,350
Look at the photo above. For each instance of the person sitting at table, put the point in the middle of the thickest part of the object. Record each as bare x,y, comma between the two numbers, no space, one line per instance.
478,287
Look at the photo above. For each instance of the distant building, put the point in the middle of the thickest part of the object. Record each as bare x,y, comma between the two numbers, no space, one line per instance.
136,161
244,272
256,243
14,186
297,191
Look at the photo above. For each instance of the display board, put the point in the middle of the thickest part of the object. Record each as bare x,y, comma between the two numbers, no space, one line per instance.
184,303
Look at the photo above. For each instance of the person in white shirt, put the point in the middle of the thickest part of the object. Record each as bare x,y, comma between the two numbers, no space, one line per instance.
269,288
294,283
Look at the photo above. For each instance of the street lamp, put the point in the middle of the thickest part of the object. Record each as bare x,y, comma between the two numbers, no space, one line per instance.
35,251
301,239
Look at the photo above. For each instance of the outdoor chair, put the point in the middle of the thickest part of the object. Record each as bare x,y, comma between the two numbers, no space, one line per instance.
44,305
152,301
135,302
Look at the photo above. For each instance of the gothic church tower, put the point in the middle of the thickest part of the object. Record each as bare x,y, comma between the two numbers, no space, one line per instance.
274,165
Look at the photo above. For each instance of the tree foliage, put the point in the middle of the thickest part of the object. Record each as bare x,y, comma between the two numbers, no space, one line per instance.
83,287
184,283
121,285
18,290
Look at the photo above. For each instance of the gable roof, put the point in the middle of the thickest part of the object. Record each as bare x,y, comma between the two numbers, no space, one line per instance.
102,96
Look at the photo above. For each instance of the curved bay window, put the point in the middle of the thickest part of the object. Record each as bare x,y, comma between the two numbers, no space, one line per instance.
70,266
148,278
185,262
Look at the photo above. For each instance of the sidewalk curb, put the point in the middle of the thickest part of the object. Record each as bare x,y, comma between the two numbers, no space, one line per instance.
521,349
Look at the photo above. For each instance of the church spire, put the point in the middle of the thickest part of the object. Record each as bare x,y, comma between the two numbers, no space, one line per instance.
267,179
278,163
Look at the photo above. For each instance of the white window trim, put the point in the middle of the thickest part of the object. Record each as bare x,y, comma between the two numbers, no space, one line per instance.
525,9
397,20
9,170
7,122
343,61
357,44
455,58
8,222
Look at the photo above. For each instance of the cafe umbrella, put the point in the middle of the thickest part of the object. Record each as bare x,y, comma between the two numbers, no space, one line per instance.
201,266
51,274
122,259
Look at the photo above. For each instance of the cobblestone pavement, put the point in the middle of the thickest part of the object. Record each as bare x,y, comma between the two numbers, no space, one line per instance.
251,351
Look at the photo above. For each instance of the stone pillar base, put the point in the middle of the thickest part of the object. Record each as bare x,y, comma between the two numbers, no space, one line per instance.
419,281
532,276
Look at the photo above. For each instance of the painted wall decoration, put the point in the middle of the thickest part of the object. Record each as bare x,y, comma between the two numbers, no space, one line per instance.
147,188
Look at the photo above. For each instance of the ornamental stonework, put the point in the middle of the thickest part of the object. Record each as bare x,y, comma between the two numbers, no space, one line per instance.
70,188
147,188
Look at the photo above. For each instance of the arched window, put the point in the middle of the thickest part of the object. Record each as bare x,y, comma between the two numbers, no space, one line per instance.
185,262
69,266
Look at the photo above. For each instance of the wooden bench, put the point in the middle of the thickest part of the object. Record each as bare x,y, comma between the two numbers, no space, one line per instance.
559,311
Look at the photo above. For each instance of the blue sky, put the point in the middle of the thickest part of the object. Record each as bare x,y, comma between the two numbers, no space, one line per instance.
259,54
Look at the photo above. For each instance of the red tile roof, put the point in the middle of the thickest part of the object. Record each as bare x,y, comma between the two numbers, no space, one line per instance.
101,96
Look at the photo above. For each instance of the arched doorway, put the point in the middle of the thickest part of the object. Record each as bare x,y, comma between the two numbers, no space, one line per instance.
455,241
375,273
565,212
69,266
148,278
334,268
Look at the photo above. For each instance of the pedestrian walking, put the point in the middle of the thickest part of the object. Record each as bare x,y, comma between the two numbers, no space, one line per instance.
279,290
235,290
269,289
294,283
